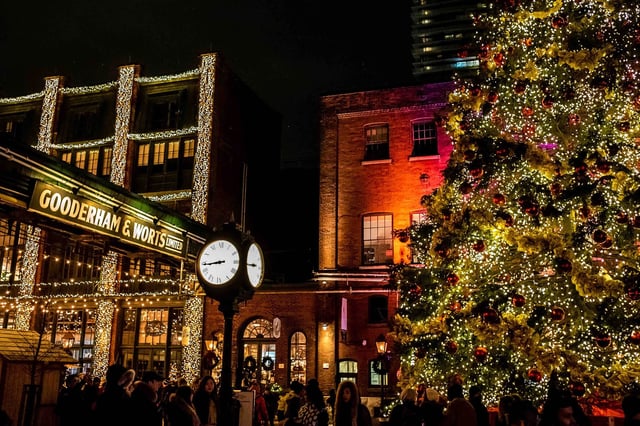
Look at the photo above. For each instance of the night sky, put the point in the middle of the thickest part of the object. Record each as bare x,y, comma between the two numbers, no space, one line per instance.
288,51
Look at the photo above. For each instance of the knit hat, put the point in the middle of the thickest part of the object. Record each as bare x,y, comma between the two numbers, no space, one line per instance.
118,375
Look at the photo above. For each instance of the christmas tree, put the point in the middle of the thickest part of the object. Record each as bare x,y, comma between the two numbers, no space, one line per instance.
530,247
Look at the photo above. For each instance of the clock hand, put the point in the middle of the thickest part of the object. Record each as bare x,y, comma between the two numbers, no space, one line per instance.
217,262
252,264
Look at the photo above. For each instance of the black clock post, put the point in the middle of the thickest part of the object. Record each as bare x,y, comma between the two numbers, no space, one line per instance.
230,266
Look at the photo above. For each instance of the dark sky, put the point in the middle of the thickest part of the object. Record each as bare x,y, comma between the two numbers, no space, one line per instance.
288,51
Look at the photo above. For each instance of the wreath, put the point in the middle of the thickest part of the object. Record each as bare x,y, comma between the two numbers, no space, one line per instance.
267,363
250,364
381,365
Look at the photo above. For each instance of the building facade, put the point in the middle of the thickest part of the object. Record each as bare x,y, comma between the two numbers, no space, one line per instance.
442,38
110,191
380,152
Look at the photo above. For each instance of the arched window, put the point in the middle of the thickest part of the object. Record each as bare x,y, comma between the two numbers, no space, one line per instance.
259,351
298,356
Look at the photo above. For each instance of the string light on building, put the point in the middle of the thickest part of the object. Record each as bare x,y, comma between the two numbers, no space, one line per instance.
193,312
85,90
123,117
49,104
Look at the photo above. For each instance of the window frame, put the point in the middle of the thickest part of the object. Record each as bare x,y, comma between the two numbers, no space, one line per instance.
426,143
366,242
376,145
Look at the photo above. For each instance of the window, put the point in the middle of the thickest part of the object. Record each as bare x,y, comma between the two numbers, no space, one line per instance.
92,165
298,355
81,158
376,142
76,327
377,239
66,156
377,379
107,155
82,124
152,339
174,150
260,344
378,309
158,153
347,370
143,154
189,148
425,139
418,217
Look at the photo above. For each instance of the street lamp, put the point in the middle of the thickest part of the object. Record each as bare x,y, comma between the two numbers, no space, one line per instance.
67,340
381,363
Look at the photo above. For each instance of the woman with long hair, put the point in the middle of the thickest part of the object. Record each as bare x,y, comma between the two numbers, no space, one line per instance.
180,409
205,400
349,411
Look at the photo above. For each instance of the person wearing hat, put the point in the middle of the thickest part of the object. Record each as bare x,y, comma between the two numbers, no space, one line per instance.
114,406
144,397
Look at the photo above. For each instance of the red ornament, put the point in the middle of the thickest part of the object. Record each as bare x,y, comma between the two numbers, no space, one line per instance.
606,243
466,188
547,102
634,337
577,388
563,266
499,199
476,91
534,375
498,58
557,314
478,246
451,347
532,209
455,306
490,316
481,353
518,300
573,119
476,171
520,87
603,340
559,22
527,111
622,217
492,97
453,278
632,290
603,166
599,236
581,169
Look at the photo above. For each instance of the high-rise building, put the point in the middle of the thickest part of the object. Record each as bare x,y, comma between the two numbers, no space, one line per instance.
442,33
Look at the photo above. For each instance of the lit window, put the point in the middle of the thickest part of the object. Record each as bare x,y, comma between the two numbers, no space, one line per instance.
418,217
92,166
158,153
425,139
347,370
298,354
66,156
81,159
143,154
189,148
174,150
377,239
376,142
107,154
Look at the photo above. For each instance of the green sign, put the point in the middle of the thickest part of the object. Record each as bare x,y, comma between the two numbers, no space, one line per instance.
64,205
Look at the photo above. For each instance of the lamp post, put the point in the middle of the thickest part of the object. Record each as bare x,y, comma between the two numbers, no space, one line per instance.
381,348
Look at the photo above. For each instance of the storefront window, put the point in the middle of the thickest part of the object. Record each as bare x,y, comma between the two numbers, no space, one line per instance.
259,349
73,330
298,353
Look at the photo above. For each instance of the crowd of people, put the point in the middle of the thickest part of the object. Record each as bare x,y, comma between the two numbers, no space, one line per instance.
125,399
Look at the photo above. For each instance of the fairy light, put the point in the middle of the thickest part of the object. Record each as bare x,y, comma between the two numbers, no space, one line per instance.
167,134
124,101
25,98
193,314
83,145
169,78
203,150
47,117
175,196
28,275
85,90
105,315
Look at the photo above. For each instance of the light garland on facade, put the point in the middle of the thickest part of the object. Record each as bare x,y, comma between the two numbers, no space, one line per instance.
89,144
20,99
169,78
164,134
84,90
175,196
49,104
191,356
124,101
106,308
203,151
29,266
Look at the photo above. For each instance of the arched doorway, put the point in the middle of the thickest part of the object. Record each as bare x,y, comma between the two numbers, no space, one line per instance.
259,352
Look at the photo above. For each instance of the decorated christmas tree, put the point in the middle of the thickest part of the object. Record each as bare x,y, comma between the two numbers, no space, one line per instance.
531,245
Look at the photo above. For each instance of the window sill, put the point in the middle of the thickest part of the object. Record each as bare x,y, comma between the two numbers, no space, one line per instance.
424,157
369,162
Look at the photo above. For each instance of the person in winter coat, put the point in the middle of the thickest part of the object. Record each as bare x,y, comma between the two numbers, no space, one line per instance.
294,401
460,412
314,412
114,405
407,413
205,401
180,410
349,411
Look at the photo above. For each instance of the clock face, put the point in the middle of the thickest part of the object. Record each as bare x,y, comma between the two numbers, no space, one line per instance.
218,262
255,265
